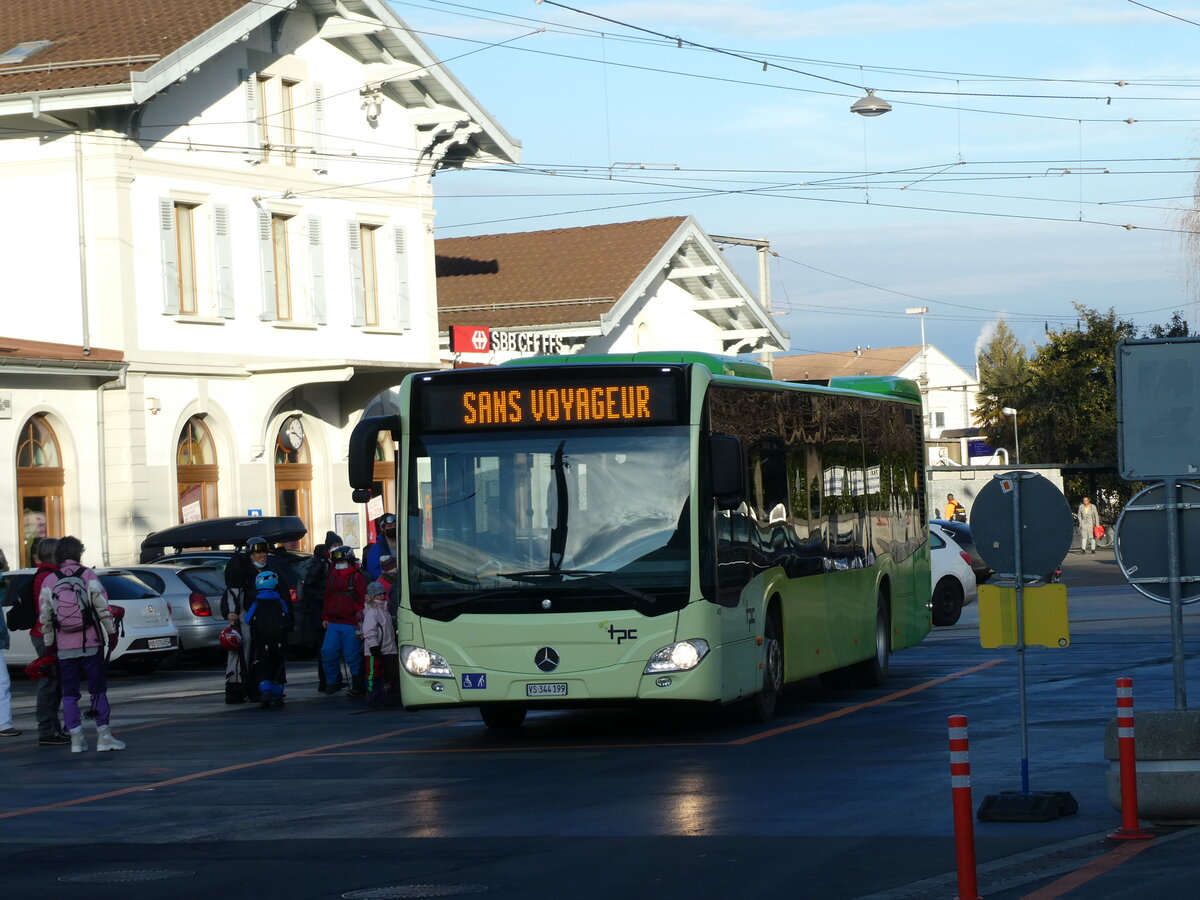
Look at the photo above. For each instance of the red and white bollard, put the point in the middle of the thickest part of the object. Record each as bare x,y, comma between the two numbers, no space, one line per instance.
964,821
1130,829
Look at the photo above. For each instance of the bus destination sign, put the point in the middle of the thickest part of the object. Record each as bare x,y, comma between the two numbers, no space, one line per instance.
508,400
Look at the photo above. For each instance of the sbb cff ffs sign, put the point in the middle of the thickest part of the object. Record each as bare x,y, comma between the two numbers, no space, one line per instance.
480,339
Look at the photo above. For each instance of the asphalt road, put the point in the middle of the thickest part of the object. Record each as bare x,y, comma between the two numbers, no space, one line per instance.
845,795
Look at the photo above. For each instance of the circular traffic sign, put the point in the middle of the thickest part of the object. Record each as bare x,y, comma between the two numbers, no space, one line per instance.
1041,528
1141,542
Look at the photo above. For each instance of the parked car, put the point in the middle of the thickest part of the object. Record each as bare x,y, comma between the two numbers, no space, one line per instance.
952,577
212,543
150,635
961,533
193,594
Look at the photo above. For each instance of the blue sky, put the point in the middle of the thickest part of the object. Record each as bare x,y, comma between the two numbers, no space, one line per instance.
1006,179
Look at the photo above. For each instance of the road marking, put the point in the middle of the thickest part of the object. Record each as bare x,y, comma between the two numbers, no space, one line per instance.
238,767
1093,869
847,710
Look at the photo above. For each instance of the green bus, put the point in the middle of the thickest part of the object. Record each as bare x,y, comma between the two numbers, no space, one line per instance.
662,527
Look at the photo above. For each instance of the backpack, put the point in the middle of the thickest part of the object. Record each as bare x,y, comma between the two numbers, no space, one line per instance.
22,615
72,607
270,622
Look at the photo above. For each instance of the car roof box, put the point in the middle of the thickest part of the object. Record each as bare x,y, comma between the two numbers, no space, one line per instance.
226,531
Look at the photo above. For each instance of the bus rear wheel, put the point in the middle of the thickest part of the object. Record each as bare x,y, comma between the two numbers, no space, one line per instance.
762,704
502,715
873,672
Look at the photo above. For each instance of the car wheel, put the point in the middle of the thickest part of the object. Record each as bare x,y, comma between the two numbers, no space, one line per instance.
142,665
947,601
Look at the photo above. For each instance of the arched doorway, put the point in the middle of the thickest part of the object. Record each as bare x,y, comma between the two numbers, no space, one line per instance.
293,476
39,485
196,471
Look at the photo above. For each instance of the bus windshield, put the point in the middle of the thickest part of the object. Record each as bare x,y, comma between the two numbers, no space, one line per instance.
549,520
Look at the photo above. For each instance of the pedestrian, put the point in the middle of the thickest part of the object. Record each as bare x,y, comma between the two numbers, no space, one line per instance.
954,511
240,572
1089,521
6,720
270,618
78,624
3,561
383,545
49,687
345,596
312,574
382,657
387,578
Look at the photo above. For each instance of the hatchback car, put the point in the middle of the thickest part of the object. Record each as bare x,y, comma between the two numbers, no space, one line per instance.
193,594
149,634
961,533
953,581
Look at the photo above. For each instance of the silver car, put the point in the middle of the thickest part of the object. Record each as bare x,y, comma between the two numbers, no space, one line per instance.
149,634
194,596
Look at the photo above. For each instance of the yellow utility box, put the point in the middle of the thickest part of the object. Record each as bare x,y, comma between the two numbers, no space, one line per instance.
1045,616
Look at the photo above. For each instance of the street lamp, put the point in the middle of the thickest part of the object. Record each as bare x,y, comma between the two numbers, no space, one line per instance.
870,105
1009,411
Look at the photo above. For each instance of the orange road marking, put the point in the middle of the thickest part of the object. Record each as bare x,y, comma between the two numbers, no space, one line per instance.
847,710
183,779
1086,873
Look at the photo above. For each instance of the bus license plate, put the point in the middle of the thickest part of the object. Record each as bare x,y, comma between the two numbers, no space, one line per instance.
158,643
546,689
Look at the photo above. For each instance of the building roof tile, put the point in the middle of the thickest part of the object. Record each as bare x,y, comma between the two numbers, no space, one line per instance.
823,366
536,278
98,42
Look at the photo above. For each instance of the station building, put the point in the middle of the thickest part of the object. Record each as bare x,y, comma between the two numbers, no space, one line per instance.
217,248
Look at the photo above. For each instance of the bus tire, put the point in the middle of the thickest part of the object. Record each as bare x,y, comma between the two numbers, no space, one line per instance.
762,704
947,601
502,716
873,672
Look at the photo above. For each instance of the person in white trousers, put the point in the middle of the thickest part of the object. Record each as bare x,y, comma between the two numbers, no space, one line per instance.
6,723
1089,518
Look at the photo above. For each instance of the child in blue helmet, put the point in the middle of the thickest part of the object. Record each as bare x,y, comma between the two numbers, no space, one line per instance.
270,619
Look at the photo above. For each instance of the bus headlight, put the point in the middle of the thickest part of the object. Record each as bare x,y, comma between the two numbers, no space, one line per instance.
425,663
679,657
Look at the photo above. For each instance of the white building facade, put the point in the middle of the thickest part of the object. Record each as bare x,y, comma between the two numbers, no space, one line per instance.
219,258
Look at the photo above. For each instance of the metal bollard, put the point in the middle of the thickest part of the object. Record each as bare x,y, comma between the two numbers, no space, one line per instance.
1130,829
964,822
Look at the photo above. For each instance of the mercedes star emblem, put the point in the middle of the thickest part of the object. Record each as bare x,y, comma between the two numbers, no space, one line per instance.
546,659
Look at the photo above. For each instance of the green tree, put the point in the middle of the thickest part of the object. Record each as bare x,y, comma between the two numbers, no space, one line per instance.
1003,381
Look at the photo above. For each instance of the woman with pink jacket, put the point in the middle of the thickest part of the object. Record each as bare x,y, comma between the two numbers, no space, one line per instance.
79,638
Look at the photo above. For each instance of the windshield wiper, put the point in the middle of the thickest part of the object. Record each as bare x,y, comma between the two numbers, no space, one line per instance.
451,602
556,574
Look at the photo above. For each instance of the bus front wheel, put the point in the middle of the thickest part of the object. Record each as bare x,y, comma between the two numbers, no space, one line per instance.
762,704
502,715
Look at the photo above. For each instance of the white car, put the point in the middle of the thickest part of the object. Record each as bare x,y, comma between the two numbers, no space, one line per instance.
150,635
953,579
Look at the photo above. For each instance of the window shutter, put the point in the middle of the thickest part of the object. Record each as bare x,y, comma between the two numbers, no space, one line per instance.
359,308
249,81
403,311
170,256
266,252
223,248
316,259
318,122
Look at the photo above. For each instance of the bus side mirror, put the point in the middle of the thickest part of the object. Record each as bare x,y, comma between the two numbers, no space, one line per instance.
363,439
728,470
